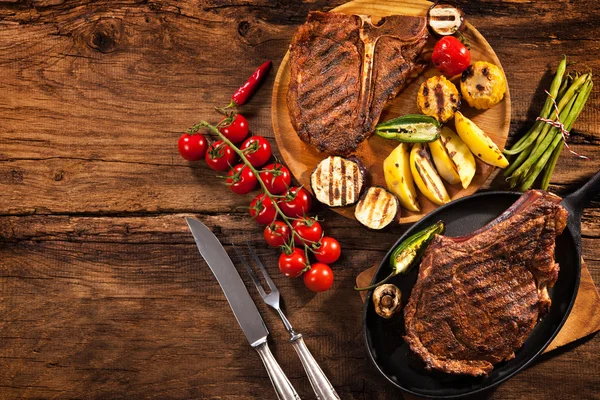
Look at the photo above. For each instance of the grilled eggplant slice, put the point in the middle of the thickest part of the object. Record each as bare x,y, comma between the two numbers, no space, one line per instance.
377,208
338,181
439,98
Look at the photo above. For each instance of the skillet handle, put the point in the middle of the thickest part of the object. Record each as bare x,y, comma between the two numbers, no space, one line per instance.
581,197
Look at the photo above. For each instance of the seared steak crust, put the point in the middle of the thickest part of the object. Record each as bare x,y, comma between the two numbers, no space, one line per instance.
344,70
478,297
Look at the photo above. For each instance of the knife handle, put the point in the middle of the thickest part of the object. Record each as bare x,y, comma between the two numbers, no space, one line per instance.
282,385
319,382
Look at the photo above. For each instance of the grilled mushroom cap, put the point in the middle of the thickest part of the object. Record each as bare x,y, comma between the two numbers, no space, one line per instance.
387,299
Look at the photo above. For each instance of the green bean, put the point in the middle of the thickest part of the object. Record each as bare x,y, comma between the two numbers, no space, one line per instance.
543,145
554,88
563,88
518,161
556,135
550,166
576,85
539,165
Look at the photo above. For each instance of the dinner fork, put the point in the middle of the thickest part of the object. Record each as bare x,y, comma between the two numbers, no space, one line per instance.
319,382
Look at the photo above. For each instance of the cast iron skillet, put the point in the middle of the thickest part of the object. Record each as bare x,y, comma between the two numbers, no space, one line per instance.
394,358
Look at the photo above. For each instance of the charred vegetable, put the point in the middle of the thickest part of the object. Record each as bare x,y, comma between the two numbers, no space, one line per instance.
445,19
439,98
411,128
426,176
387,300
398,178
482,85
337,181
377,208
409,251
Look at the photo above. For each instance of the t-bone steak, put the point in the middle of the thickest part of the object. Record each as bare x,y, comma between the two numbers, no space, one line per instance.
478,297
344,70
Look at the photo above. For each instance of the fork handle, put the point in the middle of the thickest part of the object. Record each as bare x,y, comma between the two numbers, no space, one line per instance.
281,384
319,382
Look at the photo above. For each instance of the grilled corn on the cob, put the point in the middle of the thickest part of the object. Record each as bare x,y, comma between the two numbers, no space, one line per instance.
483,85
439,98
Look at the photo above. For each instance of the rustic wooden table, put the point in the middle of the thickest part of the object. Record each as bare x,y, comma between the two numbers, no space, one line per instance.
102,291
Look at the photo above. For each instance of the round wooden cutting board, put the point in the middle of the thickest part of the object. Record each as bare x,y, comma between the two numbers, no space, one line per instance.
302,158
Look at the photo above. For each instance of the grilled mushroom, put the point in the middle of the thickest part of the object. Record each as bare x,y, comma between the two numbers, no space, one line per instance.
387,299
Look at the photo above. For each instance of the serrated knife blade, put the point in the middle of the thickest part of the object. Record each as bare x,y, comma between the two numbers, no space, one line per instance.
237,295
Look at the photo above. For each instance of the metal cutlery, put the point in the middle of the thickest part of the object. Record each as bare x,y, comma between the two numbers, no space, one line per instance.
319,382
241,304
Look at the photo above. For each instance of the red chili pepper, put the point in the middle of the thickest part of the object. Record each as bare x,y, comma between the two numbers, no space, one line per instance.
245,91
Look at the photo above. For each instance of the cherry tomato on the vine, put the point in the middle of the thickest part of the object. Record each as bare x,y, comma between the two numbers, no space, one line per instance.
277,234
309,231
241,179
235,130
277,178
262,209
450,56
257,150
319,278
292,265
328,250
220,156
297,202
192,147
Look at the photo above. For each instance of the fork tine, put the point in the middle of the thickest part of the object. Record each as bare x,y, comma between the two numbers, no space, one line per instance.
250,272
262,269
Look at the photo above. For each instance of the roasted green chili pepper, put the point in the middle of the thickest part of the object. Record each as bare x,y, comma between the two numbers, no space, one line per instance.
409,251
412,128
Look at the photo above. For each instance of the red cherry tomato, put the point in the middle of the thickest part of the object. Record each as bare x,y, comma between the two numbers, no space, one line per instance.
257,150
237,130
262,209
276,177
319,278
277,234
297,202
292,265
192,147
450,56
309,231
241,179
329,250
220,156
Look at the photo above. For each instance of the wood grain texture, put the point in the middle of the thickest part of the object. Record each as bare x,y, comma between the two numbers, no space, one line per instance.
302,158
102,291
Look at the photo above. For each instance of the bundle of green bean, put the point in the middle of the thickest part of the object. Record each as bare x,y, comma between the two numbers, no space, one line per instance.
538,150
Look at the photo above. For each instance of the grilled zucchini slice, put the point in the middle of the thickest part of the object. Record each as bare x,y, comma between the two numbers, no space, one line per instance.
439,98
482,85
338,181
377,208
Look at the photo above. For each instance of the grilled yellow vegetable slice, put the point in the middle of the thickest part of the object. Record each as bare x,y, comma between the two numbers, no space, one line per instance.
443,163
398,178
479,143
426,177
482,85
460,155
439,98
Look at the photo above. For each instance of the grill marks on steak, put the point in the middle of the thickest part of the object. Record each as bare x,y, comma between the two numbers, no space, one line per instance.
478,297
344,69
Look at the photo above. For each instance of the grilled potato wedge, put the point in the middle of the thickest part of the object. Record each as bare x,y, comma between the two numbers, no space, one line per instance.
426,177
377,208
479,143
460,155
398,178
337,181
443,163
482,85
439,98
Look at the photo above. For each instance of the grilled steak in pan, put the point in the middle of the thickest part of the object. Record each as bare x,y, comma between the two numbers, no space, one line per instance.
393,356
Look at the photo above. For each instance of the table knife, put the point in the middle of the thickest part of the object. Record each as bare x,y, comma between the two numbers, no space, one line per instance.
241,304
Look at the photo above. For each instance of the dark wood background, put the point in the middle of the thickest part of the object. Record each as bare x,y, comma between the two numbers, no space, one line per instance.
102,291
